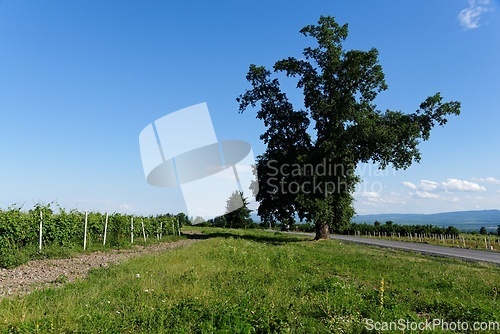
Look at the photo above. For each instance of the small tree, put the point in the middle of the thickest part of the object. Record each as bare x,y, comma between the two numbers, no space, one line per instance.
198,220
483,231
452,230
389,226
183,219
238,214
498,230
219,221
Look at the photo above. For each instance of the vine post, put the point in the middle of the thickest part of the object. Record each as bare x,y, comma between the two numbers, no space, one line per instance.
40,232
132,230
143,232
85,231
105,230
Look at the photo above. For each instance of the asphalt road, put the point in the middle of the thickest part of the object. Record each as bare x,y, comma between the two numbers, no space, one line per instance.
466,254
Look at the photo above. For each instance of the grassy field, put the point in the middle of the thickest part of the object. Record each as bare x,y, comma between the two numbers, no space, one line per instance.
240,281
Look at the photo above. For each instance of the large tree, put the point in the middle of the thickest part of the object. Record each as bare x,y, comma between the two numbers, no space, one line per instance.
308,168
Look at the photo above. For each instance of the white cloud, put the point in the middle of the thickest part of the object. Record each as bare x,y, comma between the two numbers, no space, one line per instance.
429,189
377,199
428,185
424,194
410,185
424,185
452,185
469,17
369,194
126,207
449,194
490,180
370,197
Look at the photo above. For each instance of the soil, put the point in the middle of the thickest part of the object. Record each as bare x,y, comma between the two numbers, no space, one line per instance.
40,274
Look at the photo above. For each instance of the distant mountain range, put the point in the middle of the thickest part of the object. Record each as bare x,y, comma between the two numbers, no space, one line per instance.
463,220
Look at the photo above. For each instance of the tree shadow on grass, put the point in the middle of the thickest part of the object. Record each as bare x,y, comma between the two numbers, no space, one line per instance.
274,239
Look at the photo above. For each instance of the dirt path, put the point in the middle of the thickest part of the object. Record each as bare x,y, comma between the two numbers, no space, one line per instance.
52,272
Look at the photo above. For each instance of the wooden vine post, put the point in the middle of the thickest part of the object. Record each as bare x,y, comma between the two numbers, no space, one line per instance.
40,232
105,230
85,231
132,230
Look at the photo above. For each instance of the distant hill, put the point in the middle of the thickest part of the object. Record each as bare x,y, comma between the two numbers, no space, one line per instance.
463,220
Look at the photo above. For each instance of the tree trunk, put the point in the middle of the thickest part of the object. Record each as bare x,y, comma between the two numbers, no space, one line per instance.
322,231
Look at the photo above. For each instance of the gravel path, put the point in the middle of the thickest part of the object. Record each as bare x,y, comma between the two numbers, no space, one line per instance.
54,272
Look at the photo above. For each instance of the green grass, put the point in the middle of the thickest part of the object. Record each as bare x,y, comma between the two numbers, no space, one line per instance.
254,281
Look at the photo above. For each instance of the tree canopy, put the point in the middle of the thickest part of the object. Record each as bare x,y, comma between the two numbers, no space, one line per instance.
308,168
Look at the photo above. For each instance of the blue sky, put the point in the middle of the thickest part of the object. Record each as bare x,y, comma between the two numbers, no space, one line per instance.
79,80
